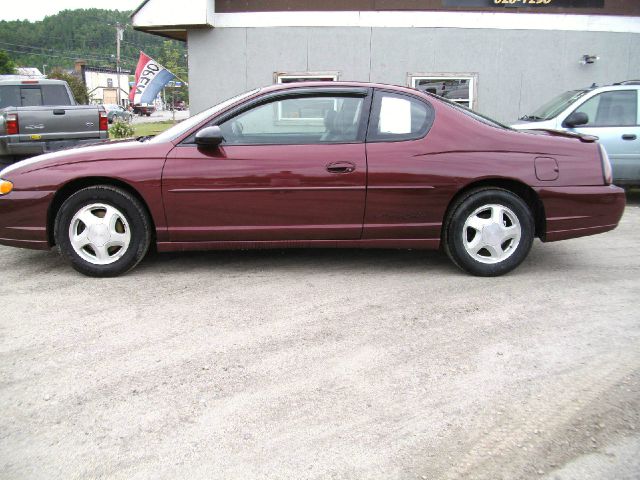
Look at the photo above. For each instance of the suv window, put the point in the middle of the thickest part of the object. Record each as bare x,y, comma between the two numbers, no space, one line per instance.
397,117
299,120
611,109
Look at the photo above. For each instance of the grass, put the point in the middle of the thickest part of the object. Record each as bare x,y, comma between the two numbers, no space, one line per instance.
144,129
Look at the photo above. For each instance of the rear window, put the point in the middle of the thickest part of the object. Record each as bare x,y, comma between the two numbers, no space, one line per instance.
33,95
55,95
10,96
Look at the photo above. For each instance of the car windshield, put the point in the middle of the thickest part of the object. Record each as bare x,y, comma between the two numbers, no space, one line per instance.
191,122
555,106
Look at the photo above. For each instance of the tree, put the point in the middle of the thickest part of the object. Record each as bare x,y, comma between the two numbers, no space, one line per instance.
172,58
59,39
77,86
6,64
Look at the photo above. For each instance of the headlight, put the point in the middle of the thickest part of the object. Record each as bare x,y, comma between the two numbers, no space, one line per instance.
5,186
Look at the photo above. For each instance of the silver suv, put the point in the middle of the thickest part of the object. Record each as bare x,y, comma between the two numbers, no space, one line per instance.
611,113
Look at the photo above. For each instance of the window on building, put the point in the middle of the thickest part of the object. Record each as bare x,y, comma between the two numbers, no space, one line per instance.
314,107
299,120
398,117
459,88
611,109
110,82
305,77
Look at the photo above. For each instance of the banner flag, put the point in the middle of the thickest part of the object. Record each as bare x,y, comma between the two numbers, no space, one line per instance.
150,78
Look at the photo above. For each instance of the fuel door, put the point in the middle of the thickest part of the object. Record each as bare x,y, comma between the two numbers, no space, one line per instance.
547,168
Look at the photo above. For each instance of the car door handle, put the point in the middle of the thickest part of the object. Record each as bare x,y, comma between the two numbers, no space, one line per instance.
341,167
629,136
59,111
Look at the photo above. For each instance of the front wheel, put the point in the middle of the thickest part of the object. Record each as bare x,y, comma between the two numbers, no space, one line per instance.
103,231
489,232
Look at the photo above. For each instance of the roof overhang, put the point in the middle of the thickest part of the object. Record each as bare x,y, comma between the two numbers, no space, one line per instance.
153,16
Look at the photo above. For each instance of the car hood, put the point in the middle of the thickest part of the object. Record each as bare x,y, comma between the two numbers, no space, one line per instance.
119,149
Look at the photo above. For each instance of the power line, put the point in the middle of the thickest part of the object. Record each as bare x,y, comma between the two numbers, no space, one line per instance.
49,55
42,49
79,54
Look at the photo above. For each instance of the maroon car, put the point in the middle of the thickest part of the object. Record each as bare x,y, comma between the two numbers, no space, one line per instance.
315,165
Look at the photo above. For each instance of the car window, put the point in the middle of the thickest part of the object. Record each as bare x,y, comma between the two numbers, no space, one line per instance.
398,117
186,125
31,96
299,120
611,109
10,96
55,95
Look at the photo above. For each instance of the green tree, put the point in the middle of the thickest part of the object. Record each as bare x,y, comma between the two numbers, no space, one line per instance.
58,40
172,58
77,86
6,64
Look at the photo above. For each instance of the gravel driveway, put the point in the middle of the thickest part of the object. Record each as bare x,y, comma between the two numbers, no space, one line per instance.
324,364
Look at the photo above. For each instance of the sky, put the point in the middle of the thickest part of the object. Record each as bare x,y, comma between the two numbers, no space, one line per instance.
38,9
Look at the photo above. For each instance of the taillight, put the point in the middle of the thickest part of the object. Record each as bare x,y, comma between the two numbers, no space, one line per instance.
606,166
104,121
12,124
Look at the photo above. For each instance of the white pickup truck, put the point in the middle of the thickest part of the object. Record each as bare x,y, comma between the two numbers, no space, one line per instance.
39,116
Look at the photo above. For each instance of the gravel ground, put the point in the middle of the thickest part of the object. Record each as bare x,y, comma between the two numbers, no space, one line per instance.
324,364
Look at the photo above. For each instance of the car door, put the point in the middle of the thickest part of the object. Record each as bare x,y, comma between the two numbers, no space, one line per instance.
614,117
400,190
292,167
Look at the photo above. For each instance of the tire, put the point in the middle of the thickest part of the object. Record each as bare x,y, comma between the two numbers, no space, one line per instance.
104,231
488,232
148,114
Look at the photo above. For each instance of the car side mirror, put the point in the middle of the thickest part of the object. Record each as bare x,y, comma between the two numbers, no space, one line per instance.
575,119
209,137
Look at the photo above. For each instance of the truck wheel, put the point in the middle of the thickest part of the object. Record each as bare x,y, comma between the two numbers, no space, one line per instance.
489,232
148,114
103,231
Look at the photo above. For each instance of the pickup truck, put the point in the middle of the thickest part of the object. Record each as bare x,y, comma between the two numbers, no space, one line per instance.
144,109
39,116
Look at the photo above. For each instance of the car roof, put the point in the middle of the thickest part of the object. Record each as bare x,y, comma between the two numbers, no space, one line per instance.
32,81
615,86
340,84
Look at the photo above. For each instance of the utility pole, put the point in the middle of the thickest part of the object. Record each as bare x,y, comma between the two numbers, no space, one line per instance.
119,30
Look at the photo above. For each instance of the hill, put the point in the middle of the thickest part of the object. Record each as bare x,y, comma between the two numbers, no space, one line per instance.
88,34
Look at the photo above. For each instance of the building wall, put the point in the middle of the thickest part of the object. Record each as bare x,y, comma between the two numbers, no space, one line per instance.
98,81
518,70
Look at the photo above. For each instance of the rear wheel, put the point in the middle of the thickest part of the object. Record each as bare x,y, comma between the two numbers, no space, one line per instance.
104,231
489,232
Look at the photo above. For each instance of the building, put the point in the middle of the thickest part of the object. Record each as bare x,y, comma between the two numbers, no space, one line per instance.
499,59
24,73
102,84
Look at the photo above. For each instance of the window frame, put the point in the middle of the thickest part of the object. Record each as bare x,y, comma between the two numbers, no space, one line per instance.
366,93
412,79
279,76
374,118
